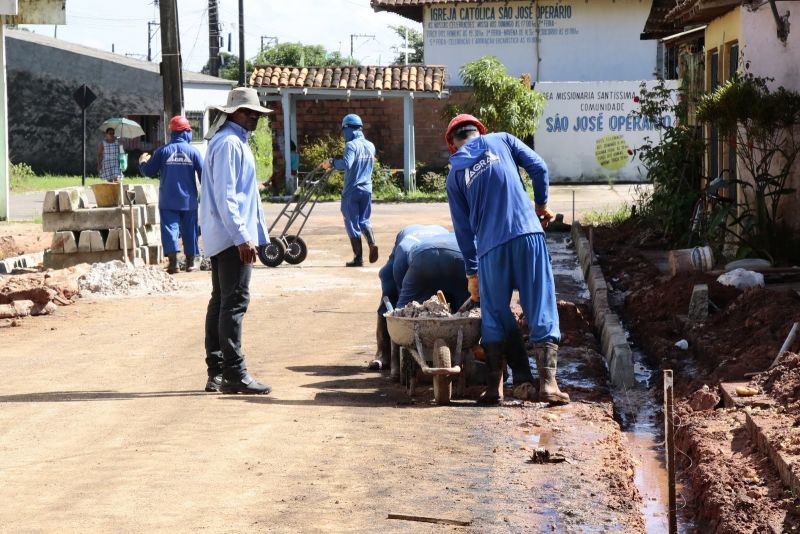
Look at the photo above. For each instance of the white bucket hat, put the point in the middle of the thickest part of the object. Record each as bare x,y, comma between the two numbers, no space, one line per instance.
243,97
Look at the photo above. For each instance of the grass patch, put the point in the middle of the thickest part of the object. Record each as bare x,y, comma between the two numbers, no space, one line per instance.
608,217
46,182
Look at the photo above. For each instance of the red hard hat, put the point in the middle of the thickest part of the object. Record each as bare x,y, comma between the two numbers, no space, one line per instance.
179,124
460,120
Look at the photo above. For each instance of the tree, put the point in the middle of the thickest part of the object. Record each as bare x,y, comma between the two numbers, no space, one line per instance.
415,41
229,66
501,101
298,54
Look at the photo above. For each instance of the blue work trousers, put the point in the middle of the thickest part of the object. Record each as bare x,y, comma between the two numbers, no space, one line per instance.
356,209
388,287
432,270
522,263
174,222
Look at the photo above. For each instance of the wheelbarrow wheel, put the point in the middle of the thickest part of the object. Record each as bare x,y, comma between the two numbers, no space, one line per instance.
442,386
272,254
297,250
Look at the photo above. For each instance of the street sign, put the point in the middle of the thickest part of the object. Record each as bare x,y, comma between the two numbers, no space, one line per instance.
84,96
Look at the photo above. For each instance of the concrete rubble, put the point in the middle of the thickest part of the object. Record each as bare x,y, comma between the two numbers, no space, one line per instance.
432,308
119,278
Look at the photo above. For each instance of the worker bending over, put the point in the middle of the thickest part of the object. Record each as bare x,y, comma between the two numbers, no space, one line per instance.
504,249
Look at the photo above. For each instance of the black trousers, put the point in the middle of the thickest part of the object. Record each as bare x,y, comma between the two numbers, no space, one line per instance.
230,295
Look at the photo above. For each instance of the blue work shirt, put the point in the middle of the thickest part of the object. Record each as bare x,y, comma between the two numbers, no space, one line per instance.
356,162
435,263
230,206
177,163
410,238
488,203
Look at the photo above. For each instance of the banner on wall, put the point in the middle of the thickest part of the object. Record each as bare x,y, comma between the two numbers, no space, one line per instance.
590,132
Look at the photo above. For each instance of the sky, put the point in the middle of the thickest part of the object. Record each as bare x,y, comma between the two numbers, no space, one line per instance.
123,25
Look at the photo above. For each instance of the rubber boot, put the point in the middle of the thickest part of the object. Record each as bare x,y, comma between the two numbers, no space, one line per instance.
525,388
172,266
358,259
547,362
373,248
189,264
384,352
495,365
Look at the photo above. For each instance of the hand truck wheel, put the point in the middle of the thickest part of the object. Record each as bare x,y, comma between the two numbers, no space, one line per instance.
272,254
297,250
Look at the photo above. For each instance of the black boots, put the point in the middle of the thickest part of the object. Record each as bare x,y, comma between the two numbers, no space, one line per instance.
189,264
547,361
495,365
358,259
373,248
172,267
384,352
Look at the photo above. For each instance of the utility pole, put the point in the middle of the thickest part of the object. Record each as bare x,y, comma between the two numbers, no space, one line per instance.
405,50
353,37
171,76
150,35
241,43
213,38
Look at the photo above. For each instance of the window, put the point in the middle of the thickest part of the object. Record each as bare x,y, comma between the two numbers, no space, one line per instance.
195,118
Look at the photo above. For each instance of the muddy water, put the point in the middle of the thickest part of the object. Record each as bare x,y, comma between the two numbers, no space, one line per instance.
636,408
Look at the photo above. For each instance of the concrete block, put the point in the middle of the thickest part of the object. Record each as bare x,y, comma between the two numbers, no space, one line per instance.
153,215
146,194
762,428
86,239
6,267
698,305
62,261
620,366
63,242
50,204
68,200
113,241
96,241
91,219
156,254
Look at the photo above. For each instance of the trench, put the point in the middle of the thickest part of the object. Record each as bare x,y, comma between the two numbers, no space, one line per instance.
636,409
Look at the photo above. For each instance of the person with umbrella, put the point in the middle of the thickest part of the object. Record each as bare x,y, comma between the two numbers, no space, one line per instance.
177,163
108,157
112,160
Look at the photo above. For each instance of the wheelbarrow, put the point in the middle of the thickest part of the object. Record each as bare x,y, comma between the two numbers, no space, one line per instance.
425,346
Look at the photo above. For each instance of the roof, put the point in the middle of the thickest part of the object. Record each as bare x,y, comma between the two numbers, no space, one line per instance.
188,76
657,26
696,11
422,78
412,9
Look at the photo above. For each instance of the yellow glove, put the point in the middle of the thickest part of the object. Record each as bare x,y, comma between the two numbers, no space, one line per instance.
144,158
472,287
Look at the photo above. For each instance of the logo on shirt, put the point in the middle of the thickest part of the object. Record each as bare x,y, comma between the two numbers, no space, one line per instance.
179,158
480,166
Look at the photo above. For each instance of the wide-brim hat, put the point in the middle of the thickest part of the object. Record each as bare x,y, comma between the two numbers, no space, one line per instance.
243,97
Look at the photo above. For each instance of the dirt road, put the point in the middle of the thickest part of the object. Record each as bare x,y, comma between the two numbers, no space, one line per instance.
104,425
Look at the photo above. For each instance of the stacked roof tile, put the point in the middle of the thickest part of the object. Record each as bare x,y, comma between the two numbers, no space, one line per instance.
423,78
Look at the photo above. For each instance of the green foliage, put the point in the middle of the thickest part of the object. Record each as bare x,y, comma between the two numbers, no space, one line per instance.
499,100
763,125
261,145
385,184
229,66
312,153
608,217
415,41
19,173
674,165
299,54
431,182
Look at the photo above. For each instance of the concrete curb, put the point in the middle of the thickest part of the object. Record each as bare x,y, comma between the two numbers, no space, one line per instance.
27,261
614,344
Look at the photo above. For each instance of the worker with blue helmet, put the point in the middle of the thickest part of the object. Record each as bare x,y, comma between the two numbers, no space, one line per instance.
356,163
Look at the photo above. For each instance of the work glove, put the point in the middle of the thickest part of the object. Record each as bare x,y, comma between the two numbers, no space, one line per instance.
144,158
544,214
472,287
327,164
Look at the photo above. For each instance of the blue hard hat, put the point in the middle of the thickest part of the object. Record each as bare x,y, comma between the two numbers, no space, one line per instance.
352,121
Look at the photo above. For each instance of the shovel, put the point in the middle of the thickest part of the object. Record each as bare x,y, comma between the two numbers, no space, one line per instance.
468,305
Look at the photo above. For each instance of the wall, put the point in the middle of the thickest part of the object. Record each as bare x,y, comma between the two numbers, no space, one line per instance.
769,57
588,129
197,97
45,126
383,125
578,40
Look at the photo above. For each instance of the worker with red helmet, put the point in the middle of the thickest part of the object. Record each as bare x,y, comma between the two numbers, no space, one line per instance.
177,163
502,240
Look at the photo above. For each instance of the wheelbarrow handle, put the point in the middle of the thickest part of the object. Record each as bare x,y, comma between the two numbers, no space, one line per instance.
388,304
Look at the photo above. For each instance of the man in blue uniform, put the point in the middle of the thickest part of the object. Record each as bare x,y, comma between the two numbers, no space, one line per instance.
503,244
391,276
177,163
356,162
